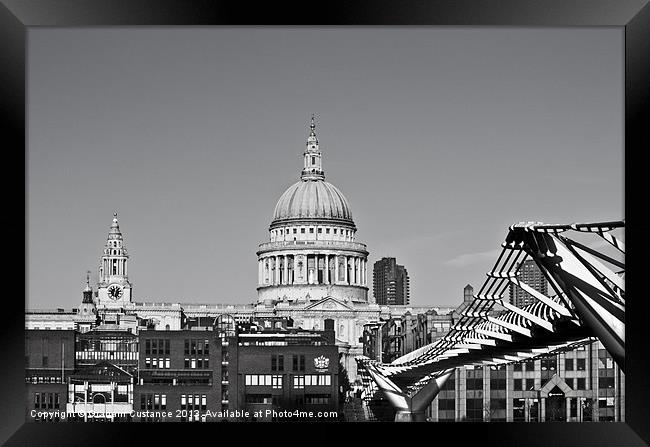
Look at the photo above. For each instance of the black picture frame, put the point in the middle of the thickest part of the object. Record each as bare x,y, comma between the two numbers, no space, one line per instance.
17,16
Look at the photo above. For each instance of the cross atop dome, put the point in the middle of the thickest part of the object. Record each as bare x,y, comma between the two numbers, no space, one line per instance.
312,132
313,169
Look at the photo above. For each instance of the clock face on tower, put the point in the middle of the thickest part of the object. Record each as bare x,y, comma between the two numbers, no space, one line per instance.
115,292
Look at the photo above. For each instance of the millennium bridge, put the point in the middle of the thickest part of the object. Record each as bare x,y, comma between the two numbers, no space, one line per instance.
588,302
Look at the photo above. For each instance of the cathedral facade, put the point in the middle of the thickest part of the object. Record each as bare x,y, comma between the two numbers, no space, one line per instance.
311,269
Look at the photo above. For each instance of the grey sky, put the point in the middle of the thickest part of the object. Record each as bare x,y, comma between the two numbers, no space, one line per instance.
440,138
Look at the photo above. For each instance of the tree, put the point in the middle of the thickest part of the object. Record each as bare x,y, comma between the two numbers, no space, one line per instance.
344,383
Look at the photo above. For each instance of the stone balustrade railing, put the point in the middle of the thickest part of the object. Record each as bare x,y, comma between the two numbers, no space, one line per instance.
315,244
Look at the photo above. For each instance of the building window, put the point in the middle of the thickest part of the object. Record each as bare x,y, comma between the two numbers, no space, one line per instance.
474,409
311,230
298,382
276,382
320,231
606,382
549,364
302,362
518,412
568,364
581,364
581,383
446,404
318,380
258,380
517,385
317,399
474,380
302,231
573,407
327,231
194,404
258,399
518,367
569,382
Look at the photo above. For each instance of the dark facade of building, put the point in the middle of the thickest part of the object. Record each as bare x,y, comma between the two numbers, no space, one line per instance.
390,283
531,275
49,362
292,370
259,370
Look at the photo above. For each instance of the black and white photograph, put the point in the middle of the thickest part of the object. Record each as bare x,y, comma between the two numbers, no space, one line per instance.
421,224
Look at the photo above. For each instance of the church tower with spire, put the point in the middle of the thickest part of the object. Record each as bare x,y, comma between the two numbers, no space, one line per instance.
113,287
87,314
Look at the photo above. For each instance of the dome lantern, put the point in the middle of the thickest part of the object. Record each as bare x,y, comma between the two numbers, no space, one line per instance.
313,169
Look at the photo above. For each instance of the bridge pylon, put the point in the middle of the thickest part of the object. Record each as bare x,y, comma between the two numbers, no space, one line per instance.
410,406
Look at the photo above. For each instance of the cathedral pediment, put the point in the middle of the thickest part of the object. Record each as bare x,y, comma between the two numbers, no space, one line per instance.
329,304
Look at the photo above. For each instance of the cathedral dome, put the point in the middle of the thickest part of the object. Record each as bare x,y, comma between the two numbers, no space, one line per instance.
312,199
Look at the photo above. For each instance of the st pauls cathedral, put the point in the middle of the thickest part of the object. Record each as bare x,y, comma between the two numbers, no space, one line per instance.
311,269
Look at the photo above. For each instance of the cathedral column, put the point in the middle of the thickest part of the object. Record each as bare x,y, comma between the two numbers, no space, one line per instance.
357,270
346,274
260,272
327,269
286,269
310,276
276,271
361,271
365,272
336,269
